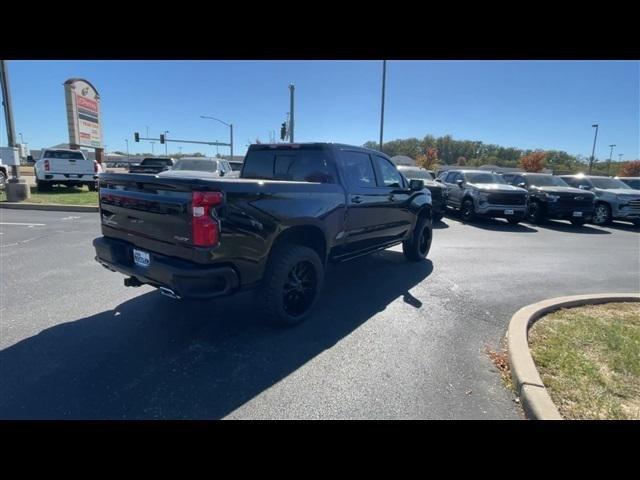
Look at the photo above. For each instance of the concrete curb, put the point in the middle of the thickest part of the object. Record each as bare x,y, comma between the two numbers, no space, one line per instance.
534,397
49,207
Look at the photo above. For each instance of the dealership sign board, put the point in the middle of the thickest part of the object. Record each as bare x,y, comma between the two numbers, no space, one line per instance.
83,113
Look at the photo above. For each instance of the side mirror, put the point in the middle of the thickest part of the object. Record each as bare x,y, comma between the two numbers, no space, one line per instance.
522,185
222,173
439,180
460,182
584,187
415,184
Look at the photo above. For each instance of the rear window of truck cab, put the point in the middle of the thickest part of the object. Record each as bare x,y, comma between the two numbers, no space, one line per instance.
299,165
63,155
156,162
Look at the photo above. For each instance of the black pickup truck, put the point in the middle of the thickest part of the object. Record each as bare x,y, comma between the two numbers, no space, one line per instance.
153,165
294,209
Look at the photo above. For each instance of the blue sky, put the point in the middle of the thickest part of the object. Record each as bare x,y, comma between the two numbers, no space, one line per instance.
524,104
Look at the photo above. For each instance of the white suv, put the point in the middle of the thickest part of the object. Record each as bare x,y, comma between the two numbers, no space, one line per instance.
65,167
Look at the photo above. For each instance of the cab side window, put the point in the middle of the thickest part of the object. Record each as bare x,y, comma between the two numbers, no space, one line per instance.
390,177
358,169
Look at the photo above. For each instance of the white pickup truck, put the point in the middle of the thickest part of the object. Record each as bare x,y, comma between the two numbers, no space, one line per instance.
65,167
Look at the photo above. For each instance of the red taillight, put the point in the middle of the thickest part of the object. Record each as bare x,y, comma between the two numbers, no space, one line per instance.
46,165
204,228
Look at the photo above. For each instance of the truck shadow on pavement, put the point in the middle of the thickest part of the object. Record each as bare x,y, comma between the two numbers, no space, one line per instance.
153,357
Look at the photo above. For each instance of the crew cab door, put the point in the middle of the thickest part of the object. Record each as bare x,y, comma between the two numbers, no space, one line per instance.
377,201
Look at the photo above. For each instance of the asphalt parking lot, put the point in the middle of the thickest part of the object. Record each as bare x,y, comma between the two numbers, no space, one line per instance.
389,339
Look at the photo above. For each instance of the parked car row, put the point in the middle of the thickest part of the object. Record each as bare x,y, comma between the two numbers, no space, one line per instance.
536,197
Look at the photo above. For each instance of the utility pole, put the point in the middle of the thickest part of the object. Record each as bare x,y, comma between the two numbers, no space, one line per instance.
165,143
291,92
593,152
610,155
128,156
8,113
620,156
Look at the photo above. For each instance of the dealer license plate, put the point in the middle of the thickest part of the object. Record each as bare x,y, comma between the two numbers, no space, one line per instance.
141,258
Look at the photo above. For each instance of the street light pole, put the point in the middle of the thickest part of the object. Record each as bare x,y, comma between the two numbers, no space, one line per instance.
384,78
593,152
610,155
128,156
291,124
165,143
230,125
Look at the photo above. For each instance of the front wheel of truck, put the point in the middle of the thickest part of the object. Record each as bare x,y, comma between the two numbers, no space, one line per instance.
418,246
291,285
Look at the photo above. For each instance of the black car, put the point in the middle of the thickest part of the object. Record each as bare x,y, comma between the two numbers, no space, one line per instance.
552,197
153,165
438,192
294,209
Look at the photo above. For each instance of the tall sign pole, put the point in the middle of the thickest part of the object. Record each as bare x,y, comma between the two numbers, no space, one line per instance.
291,124
8,112
384,78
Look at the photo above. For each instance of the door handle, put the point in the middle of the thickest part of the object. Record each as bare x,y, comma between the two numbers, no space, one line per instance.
356,199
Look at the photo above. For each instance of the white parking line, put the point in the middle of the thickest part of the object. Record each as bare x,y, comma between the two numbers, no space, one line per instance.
25,224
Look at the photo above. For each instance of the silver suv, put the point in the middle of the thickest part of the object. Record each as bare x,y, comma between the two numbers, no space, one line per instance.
615,200
485,194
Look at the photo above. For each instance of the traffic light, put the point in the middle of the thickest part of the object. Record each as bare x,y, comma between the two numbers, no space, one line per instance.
283,130
162,138
136,136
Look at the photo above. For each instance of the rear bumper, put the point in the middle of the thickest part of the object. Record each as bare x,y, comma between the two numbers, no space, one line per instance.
187,279
68,178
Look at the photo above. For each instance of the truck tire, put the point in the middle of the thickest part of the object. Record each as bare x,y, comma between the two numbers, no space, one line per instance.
418,246
536,212
43,186
602,214
291,285
437,217
467,210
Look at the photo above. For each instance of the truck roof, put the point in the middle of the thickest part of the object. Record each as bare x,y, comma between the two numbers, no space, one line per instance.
267,146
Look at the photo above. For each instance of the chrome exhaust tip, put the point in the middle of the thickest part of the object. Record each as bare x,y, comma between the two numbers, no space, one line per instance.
167,292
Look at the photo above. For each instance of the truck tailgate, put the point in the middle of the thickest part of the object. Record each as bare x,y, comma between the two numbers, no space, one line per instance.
147,207
64,165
